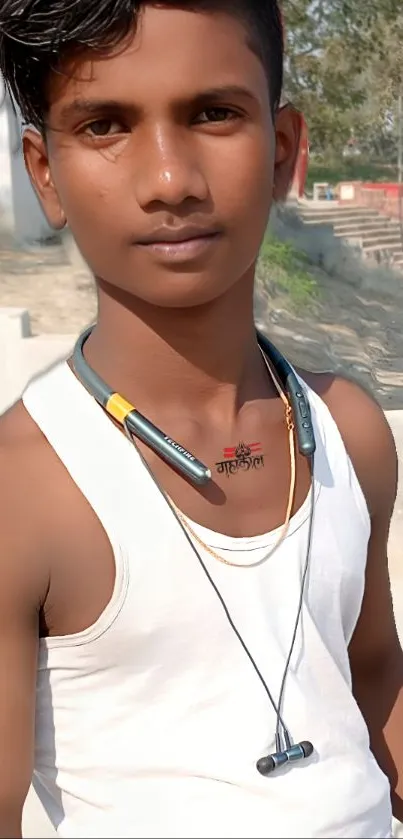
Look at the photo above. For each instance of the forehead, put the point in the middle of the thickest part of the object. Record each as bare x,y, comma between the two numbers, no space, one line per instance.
172,53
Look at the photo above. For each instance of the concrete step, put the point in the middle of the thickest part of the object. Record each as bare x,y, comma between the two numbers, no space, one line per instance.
376,235
368,224
382,239
338,213
391,248
358,219
361,232
333,208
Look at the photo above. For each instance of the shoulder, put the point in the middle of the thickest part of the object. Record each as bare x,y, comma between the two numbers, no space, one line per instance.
21,442
366,435
31,469
22,503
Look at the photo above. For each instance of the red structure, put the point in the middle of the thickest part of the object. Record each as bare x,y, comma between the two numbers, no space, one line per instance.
301,166
383,197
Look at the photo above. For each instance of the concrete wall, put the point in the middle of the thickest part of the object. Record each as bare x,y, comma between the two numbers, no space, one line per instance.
23,356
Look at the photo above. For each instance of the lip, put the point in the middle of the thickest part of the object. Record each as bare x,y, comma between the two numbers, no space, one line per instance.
179,246
168,235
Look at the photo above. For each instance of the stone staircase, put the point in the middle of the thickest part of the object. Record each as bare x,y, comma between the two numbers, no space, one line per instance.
378,237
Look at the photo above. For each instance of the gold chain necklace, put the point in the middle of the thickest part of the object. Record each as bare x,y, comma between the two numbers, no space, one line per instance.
186,526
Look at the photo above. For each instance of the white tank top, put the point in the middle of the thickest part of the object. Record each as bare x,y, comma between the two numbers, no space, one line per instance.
150,722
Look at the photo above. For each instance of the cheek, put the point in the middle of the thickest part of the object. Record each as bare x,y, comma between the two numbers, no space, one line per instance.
91,187
95,201
242,183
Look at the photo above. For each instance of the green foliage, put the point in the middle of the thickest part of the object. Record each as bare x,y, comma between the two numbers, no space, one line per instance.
344,70
284,270
335,171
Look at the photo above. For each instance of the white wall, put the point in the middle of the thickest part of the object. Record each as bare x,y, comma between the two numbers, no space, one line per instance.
5,168
19,205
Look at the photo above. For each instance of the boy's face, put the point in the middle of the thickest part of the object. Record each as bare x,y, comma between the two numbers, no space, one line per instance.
169,138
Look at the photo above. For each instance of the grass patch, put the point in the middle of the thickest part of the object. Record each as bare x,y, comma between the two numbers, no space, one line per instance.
285,271
349,170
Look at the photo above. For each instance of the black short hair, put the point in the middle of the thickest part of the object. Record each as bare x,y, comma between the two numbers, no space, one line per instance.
35,35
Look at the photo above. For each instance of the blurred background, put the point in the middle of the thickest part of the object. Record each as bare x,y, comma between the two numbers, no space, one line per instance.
330,277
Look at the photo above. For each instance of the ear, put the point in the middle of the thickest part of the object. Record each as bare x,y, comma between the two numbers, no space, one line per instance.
37,165
288,126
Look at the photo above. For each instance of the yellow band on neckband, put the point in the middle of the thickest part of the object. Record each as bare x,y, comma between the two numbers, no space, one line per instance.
118,407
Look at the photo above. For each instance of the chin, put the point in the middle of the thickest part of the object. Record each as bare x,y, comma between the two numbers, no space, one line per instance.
192,300
180,291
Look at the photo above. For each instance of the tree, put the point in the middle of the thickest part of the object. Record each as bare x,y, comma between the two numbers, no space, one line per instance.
343,69
376,124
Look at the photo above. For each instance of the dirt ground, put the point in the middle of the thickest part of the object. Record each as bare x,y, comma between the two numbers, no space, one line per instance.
351,330
60,296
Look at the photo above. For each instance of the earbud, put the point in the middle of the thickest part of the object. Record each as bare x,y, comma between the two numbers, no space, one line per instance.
269,764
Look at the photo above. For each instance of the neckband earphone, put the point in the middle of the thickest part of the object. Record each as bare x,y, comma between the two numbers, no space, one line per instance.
167,448
197,473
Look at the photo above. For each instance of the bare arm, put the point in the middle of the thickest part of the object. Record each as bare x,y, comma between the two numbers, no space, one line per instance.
377,668
375,652
20,594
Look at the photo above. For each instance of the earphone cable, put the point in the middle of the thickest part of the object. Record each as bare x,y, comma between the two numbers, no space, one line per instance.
279,723
231,622
281,729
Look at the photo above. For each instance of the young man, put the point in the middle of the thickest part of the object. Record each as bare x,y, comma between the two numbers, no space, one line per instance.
145,621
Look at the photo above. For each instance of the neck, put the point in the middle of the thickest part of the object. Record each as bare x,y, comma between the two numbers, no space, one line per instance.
204,358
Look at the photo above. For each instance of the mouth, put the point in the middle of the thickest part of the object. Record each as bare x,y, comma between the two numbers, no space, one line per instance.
180,245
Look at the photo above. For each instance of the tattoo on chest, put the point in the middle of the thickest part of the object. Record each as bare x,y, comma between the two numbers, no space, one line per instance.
240,458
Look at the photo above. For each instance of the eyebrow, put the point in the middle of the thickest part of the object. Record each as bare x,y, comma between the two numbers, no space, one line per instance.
90,107
223,91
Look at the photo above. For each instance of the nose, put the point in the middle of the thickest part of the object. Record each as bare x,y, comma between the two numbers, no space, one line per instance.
169,172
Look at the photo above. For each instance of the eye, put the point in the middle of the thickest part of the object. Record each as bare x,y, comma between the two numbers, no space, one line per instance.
217,115
104,128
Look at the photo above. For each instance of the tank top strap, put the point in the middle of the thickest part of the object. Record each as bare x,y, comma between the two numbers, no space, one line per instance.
333,465
101,460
